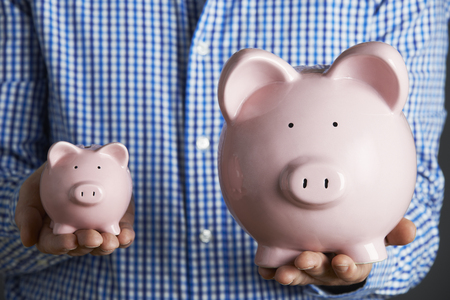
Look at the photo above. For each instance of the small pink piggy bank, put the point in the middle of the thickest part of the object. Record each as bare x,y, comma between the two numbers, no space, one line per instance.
318,159
86,187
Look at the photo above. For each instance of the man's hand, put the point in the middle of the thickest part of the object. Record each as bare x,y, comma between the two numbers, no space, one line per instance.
323,269
34,227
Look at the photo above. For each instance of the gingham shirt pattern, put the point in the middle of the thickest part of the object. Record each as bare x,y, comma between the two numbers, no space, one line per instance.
145,73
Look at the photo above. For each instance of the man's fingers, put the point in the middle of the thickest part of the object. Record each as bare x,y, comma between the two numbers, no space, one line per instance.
288,274
128,217
314,267
29,221
403,234
127,234
349,272
55,244
315,264
110,243
267,273
88,241
89,238
309,267
319,268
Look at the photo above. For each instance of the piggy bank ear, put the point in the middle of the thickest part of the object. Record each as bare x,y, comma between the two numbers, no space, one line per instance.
379,65
59,151
117,151
244,73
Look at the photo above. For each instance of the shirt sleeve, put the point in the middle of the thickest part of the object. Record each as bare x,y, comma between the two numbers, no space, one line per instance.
23,130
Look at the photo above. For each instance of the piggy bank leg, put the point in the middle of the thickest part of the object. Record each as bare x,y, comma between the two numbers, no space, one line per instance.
113,228
370,252
273,257
59,228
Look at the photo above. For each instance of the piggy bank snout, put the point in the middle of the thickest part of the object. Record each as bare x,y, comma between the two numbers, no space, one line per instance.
86,193
312,183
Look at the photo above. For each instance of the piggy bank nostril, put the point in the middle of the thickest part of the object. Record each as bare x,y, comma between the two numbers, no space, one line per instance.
82,194
312,183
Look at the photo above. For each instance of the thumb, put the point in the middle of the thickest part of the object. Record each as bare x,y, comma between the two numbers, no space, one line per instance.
403,234
127,234
30,213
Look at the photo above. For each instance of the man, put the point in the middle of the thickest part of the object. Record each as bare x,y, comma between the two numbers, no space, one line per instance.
145,73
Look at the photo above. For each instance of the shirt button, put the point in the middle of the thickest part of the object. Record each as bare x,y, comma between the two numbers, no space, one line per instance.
202,48
42,263
206,236
202,143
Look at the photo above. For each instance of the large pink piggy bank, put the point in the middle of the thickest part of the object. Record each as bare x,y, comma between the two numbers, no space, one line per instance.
86,187
318,159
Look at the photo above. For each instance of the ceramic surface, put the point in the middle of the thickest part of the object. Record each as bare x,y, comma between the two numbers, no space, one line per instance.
317,158
86,187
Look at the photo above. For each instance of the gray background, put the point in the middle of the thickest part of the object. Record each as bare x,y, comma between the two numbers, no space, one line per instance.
436,285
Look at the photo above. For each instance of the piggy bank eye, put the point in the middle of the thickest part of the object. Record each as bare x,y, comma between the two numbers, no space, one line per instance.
75,167
98,167
291,125
335,124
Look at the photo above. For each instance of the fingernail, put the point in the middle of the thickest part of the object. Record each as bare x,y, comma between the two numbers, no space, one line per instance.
126,244
71,249
341,268
305,269
288,283
106,251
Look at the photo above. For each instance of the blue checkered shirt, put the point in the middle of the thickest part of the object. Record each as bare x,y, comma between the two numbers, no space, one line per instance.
145,73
